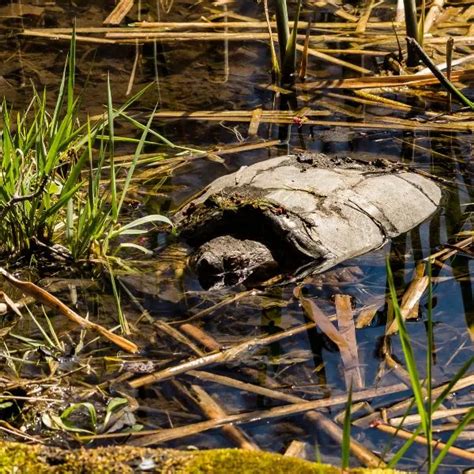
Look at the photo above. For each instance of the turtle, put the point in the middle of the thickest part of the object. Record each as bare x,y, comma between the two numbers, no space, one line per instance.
300,210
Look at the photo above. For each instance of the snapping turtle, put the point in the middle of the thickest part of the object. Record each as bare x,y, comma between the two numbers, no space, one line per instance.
288,211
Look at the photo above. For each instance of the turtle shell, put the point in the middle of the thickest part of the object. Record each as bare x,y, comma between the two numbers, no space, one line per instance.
312,207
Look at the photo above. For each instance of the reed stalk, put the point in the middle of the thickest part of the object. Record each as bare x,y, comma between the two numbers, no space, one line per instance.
412,31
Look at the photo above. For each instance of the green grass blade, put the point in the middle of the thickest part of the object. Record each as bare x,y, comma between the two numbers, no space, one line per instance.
136,156
442,397
124,326
131,227
346,434
459,429
408,352
72,71
113,184
52,210
42,330
429,359
406,446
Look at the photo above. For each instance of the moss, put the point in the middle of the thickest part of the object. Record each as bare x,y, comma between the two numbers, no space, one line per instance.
250,462
37,459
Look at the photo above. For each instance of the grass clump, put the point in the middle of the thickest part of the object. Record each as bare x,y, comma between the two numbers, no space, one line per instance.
53,170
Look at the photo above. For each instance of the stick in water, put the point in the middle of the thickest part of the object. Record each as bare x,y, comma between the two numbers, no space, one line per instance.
44,297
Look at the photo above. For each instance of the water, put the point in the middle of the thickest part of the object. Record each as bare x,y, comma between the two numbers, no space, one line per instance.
192,76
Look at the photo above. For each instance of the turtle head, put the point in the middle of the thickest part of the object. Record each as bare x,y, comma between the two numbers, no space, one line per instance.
228,261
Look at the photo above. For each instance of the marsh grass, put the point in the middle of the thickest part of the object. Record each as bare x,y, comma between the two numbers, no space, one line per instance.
36,149
52,173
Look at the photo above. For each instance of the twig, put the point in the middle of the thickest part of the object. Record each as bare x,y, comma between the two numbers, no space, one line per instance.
363,454
453,450
215,412
44,297
401,407
225,302
17,199
437,415
228,355
160,436
244,386
119,12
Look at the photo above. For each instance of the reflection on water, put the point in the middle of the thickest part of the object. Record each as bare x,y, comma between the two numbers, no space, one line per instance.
192,76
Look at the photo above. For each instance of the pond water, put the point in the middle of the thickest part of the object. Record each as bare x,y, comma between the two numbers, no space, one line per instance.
218,76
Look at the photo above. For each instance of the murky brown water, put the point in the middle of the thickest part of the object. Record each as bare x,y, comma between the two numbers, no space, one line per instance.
191,76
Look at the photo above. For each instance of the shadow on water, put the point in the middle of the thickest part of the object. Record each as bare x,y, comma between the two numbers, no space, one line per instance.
307,365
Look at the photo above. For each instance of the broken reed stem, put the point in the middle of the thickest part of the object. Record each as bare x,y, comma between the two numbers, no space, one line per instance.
400,408
363,454
145,26
345,322
214,411
448,252
437,415
159,436
449,64
364,19
433,14
44,297
439,445
228,355
410,301
407,80
297,449
201,336
221,304
330,59
119,12
169,330
212,344
448,85
301,119
244,386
